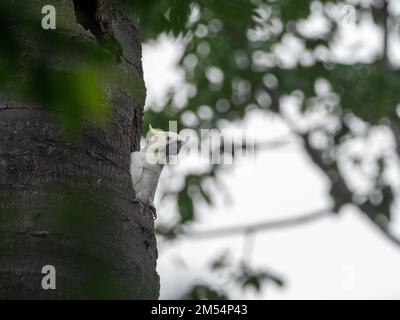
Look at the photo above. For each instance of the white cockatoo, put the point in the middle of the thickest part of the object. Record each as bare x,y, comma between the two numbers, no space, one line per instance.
147,164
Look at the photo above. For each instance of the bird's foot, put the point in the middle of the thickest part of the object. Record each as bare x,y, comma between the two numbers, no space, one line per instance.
153,211
143,206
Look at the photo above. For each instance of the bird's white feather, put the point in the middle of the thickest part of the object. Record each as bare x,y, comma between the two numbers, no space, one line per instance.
136,167
144,171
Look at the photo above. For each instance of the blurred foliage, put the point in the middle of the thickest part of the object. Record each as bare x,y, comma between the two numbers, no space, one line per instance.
177,15
204,292
241,56
33,67
62,70
234,65
230,276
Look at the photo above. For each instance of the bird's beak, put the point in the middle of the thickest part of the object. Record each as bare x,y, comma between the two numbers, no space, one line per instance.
179,144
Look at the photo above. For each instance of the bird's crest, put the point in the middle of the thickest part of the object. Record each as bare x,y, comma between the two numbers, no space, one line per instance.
154,131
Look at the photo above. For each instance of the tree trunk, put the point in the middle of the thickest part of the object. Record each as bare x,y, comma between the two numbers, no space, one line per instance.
70,204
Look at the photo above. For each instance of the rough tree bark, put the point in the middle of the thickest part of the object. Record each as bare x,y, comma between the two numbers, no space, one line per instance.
70,204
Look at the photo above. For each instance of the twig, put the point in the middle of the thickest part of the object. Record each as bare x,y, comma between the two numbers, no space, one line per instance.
260,226
275,144
346,195
385,18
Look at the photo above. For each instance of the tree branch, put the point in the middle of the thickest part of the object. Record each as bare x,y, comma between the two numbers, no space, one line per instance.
340,188
276,143
385,24
260,226
395,127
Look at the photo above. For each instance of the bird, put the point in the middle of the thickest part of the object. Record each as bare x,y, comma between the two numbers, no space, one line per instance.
147,164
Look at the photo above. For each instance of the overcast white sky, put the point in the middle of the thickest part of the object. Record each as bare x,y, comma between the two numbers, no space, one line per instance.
342,257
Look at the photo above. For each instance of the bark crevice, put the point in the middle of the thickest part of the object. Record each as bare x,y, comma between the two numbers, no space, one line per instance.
90,17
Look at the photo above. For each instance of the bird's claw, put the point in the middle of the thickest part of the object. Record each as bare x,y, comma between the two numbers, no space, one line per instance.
143,208
153,211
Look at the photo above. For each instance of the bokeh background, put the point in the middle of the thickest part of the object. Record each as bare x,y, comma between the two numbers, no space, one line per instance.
342,256
315,214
